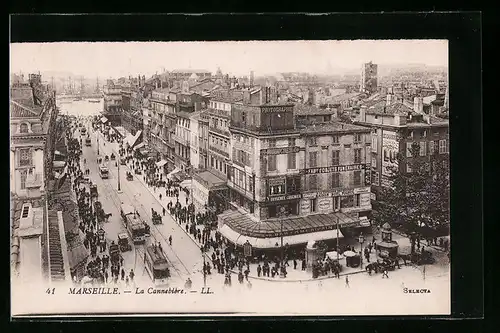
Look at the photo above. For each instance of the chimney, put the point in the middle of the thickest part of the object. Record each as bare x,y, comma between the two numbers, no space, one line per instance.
362,114
246,97
389,99
418,104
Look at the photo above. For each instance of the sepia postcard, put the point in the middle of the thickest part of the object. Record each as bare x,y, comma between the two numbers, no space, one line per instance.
230,178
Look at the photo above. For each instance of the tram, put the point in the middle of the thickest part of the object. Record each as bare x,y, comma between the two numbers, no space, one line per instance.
133,223
156,265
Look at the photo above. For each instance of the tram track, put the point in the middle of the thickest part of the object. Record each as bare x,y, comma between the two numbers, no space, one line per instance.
158,234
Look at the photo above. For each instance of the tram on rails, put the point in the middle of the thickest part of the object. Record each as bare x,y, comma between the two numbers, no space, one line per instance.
135,226
156,265
103,172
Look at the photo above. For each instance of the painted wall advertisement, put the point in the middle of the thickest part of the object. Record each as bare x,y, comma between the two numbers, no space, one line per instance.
390,149
305,206
325,204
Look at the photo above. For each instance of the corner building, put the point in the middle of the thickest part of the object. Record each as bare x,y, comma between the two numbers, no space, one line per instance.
295,182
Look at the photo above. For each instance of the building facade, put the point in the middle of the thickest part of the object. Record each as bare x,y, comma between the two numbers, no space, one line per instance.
113,103
369,79
395,127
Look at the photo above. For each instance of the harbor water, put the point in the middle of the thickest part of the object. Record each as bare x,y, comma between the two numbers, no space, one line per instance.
80,108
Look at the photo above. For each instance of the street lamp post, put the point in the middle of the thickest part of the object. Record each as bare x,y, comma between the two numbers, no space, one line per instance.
361,240
119,187
97,135
204,267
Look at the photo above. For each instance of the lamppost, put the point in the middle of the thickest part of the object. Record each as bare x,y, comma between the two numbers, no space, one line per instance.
119,187
204,266
283,213
361,240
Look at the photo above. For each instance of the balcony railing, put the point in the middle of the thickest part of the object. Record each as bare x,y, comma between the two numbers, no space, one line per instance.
219,131
218,151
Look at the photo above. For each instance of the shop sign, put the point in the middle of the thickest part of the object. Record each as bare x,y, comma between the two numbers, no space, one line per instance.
325,204
373,196
309,195
334,168
279,151
368,174
276,181
285,197
352,209
358,190
274,109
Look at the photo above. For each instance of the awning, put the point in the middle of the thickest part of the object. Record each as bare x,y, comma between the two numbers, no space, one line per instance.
58,164
161,163
173,172
267,243
104,120
139,146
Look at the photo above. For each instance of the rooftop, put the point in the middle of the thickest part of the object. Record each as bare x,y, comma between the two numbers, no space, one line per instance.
190,71
392,109
332,127
208,179
310,110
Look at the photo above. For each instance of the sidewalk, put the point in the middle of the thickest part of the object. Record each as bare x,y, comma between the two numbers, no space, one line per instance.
293,275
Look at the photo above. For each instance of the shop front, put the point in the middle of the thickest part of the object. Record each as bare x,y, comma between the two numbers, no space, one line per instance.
209,192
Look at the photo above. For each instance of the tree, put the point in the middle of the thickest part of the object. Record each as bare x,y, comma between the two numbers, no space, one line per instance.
418,199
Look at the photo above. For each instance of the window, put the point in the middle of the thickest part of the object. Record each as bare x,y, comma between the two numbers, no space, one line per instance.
313,159
312,141
357,156
243,117
335,157
277,189
408,149
272,211
442,147
357,138
291,142
356,200
314,203
431,147
423,151
374,143
24,157
335,139
408,168
410,135
272,143
335,180
24,175
212,162
292,163
424,133
347,201
23,128
313,182
357,178
271,163
375,177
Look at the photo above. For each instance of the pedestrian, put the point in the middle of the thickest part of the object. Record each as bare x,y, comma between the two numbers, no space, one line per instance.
123,274
259,270
160,196
170,240
163,211
347,281
294,264
132,275
159,247
384,274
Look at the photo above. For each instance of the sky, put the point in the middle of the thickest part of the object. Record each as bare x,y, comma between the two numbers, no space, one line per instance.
111,60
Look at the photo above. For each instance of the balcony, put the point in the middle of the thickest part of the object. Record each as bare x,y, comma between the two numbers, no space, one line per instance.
242,191
180,140
218,151
220,131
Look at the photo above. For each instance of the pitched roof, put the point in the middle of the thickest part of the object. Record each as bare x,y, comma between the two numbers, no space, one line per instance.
331,128
310,110
392,109
18,110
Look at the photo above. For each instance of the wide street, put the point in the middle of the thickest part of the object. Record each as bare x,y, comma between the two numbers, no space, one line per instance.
184,254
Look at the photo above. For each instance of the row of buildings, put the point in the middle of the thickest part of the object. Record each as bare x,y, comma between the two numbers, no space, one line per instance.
275,168
45,239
